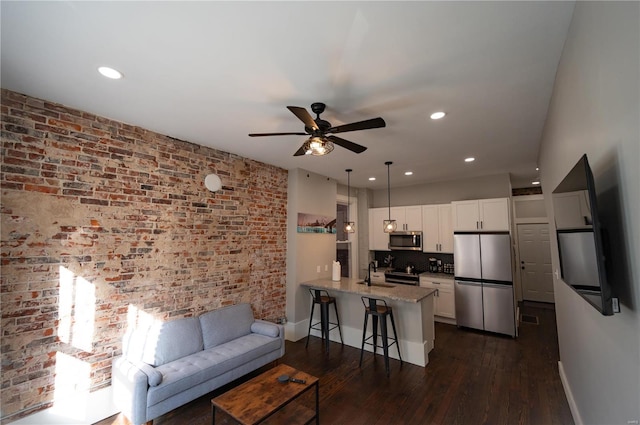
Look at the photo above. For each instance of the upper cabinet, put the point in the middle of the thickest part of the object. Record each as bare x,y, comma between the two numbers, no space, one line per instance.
437,228
408,218
378,239
481,214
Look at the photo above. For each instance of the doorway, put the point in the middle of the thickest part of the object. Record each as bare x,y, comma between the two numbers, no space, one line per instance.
535,262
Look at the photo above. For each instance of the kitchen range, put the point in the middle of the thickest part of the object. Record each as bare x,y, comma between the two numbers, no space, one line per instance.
406,276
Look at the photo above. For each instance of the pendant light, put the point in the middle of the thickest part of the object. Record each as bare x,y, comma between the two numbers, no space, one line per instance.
349,226
389,225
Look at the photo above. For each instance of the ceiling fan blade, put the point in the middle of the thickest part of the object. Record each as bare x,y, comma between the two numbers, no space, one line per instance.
360,125
276,134
354,147
303,116
300,151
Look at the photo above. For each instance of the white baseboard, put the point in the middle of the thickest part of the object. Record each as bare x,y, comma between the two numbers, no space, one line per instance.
567,391
80,409
412,352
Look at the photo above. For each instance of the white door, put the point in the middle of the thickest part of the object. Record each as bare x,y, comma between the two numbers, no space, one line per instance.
535,262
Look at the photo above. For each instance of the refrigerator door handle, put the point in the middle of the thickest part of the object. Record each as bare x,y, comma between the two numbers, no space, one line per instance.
466,283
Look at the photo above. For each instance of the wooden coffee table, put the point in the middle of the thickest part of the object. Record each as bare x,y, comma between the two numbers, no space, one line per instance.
264,397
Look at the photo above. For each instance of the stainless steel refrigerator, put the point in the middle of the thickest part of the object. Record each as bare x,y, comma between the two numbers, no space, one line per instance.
484,282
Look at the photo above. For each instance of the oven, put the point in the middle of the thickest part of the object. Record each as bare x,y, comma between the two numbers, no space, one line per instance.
402,277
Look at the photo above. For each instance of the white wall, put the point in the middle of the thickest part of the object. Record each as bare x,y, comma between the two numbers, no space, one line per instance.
494,186
316,194
595,110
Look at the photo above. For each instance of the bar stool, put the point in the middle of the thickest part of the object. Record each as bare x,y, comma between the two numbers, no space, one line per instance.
320,296
378,308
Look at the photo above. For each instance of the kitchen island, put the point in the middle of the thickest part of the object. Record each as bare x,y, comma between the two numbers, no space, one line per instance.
412,310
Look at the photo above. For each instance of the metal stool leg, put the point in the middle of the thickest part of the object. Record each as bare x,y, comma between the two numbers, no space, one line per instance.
395,335
364,332
313,305
385,343
324,323
335,307
374,324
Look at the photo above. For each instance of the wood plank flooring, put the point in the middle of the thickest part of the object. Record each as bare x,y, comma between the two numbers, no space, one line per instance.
472,378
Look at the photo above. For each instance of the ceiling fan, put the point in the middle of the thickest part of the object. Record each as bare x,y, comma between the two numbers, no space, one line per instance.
320,143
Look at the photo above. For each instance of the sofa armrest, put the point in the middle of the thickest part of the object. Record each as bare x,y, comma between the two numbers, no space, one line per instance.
273,330
130,386
263,327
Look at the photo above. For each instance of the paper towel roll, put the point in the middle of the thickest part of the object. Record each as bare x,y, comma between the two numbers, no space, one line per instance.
336,271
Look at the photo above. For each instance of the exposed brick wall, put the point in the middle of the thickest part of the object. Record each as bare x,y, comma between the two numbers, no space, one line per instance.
102,222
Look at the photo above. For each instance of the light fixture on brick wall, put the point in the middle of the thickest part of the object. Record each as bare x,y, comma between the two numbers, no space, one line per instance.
349,226
213,182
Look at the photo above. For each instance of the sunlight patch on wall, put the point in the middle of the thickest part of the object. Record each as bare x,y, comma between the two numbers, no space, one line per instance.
76,315
71,386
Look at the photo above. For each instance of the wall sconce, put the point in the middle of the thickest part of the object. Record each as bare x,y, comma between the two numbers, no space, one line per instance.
213,182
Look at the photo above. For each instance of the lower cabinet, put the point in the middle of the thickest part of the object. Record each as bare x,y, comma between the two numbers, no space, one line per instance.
444,306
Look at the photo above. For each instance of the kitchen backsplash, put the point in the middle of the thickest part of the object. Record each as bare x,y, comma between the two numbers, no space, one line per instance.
402,259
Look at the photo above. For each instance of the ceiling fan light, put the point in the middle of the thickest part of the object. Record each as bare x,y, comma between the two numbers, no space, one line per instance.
317,146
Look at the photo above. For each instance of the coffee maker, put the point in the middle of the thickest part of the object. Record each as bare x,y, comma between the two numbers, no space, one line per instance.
433,265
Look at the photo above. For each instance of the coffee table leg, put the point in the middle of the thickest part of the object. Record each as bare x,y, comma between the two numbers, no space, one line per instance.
213,414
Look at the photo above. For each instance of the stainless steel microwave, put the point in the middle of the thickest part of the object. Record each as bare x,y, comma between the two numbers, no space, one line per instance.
405,241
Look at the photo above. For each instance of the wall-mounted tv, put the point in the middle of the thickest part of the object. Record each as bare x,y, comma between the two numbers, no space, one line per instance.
580,238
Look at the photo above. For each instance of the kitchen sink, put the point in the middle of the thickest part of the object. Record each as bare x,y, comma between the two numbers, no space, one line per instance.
381,285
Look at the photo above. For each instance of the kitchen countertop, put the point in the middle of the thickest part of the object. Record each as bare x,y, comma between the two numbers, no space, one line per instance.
396,292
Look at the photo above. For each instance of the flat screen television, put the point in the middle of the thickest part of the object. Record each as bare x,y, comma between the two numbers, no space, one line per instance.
580,239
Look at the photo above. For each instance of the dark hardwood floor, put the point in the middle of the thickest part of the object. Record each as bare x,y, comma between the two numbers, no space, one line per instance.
472,378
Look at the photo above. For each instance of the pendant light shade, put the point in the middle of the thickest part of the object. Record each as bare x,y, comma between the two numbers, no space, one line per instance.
349,226
389,225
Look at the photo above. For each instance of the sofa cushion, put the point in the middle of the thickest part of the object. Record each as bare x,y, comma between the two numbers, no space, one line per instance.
225,324
192,370
168,341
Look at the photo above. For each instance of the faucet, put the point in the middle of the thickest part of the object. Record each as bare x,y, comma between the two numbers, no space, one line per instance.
368,278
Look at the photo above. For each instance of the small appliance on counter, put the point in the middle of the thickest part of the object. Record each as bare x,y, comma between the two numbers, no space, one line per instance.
433,265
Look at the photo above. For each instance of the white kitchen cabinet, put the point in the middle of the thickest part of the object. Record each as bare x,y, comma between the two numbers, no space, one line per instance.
437,228
481,214
444,304
378,239
407,218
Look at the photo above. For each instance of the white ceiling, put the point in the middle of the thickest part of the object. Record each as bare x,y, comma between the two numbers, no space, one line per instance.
212,72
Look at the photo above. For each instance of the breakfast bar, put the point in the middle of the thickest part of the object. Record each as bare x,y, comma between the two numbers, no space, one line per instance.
412,306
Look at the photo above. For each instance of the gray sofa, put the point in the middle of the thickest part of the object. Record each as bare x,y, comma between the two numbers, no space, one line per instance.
168,364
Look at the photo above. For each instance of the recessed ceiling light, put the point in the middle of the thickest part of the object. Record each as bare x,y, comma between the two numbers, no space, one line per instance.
470,159
110,72
437,115
408,173
535,182
371,179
